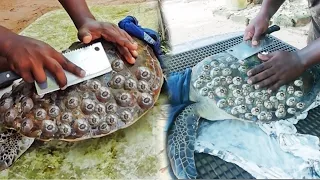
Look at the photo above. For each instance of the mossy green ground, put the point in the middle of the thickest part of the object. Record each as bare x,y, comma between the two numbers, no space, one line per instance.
129,153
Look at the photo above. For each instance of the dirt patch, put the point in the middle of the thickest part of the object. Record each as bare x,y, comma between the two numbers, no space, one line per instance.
18,14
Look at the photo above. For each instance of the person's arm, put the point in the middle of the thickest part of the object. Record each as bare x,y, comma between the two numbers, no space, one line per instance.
270,7
310,55
6,39
78,11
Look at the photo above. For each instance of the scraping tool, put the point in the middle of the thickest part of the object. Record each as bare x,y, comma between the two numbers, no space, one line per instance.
92,59
245,49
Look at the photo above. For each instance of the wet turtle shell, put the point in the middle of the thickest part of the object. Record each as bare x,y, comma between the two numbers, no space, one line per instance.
219,86
91,109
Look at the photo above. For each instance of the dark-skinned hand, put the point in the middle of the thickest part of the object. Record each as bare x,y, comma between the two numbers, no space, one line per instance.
29,58
92,30
256,28
277,69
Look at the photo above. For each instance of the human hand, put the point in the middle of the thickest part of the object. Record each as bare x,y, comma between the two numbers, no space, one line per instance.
29,57
278,68
256,28
92,30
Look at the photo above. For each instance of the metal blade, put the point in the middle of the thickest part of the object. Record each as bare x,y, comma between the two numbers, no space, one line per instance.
92,59
245,49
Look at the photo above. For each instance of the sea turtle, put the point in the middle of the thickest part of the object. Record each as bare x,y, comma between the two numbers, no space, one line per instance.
218,90
91,109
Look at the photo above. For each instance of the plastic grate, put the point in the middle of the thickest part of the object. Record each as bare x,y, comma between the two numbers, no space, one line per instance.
212,167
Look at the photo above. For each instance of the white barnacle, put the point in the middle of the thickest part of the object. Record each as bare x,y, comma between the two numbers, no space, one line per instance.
230,101
255,111
210,85
222,103
247,87
290,89
234,110
291,101
262,116
281,106
258,94
245,92
232,87
223,81
229,59
221,92
234,66
298,93
281,95
291,111
249,100
239,100
268,116
237,80
222,65
236,93
204,91
198,84
215,71
211,94
300,105
252,95
242,109
243,69
229,79
268,104
298,83
214,63
265,96
216,81
248,116
280,113
259,103
273,99
206,67
226,71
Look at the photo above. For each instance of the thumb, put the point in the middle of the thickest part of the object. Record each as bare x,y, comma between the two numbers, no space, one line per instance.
256,36
84,35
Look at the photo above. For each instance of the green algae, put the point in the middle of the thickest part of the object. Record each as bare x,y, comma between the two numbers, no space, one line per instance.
128,153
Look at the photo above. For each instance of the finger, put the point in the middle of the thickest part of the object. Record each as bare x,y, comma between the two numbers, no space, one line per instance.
264,57
127,55
26,76
261,67
275,87
84,35
256,36
248,33
39,75
115,37
132,51
270,80
57,71
261,76
69,66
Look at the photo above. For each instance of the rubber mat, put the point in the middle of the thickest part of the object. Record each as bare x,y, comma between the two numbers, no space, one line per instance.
212,167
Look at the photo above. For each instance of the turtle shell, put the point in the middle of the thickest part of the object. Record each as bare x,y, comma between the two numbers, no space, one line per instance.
94,108
222,80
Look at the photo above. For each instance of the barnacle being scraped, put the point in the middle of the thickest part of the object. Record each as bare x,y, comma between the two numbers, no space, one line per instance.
94,108
224,80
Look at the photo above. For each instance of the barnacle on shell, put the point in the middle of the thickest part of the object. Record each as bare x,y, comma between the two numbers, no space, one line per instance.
143,73
117,65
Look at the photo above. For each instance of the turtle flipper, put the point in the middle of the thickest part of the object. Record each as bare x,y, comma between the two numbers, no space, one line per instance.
180,143
12,146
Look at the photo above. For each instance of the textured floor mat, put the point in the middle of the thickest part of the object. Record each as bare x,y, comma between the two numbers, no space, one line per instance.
211,167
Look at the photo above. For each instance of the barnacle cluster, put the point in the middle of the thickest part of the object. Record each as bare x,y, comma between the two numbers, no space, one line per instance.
92,108
224,80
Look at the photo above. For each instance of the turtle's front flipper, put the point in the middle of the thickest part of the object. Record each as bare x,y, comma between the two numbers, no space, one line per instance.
180,143
12,146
